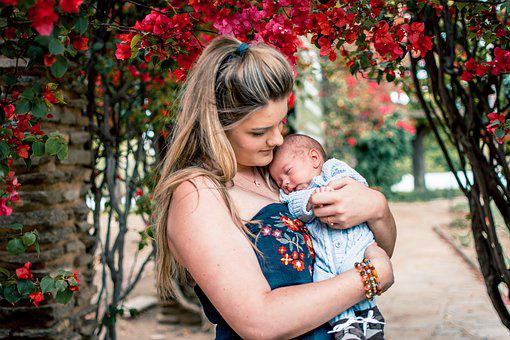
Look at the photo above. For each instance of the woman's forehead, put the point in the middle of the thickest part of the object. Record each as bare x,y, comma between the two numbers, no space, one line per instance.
268,116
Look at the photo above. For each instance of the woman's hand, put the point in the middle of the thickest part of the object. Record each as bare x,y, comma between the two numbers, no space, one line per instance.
382,264
352,203
349,204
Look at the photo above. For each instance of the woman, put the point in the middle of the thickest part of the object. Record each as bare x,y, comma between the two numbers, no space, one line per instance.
214,180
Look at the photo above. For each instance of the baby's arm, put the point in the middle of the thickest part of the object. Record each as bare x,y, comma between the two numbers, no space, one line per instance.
298,203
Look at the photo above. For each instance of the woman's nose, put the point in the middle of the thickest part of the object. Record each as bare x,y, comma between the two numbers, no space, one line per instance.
276,139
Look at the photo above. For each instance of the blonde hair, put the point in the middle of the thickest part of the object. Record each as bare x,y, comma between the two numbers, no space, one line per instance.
221,90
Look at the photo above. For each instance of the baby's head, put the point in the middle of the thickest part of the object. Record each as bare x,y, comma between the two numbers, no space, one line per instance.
296,162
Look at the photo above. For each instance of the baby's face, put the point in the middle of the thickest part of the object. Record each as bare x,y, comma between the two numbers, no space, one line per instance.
293,171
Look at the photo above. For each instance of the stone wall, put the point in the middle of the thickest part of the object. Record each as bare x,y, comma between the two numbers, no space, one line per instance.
53,202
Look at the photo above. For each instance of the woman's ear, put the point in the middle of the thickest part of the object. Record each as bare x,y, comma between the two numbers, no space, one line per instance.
316,158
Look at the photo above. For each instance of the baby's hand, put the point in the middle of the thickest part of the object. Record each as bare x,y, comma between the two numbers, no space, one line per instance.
319,189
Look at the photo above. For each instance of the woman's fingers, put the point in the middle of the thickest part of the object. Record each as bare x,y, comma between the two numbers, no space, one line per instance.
326,197
340,182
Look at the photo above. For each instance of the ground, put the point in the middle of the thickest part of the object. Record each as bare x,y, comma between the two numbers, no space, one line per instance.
436,294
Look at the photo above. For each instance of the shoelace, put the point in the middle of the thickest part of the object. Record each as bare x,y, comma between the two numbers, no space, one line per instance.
357,319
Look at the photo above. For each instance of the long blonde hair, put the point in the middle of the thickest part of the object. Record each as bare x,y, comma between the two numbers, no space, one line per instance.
221,90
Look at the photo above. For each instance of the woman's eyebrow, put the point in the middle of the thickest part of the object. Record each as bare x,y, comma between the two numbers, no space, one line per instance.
261,128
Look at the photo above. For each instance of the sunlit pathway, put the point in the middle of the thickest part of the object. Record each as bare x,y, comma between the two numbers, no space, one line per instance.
436,295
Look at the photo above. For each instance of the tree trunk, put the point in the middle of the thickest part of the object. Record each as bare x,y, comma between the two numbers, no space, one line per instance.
418,157
53,202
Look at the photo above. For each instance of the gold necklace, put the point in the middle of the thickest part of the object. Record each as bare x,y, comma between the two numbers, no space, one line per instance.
257,183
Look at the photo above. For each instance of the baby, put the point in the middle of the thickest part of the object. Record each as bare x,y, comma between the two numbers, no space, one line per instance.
300,169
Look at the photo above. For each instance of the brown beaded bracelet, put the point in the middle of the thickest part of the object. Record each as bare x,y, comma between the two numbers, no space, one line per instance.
370,278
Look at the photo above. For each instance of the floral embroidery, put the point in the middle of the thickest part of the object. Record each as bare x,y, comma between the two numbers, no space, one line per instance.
286,259
298,265
266,230
296,243
277,233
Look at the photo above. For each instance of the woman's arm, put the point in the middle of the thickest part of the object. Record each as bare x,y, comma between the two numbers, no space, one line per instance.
353,203
224,265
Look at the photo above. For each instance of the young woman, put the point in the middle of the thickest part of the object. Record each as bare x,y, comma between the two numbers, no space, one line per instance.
218,214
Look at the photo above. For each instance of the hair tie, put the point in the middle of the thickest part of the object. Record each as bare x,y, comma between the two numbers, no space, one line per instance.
242,48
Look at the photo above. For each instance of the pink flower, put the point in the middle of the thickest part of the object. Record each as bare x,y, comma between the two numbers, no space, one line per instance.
4,209
43,17
266,230
123,51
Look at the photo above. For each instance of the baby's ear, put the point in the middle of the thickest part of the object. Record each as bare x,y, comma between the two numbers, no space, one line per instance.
315,155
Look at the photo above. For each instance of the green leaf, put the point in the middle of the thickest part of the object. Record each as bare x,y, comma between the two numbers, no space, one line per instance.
59,67
55,46
39,109
47,284
135,40
56,145
25,287
16,246
5,150
28,94
499,133
29,238
390,77
81,25
38,149
16,226
34,52
64,296
37,248
60,285
11,294
22,106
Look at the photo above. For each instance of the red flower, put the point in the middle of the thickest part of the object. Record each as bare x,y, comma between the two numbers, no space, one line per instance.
289,223
49,59
74,288
298,265
123,51
24,272
286,259
282,250
351,141
4,209
302,256
9,111
37,298
180,74
75,276
43,17
139,192
295,255
406,127
70,6
49,96
22,151
9,2
81,43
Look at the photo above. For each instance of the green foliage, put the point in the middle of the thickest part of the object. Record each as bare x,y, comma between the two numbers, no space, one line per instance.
378,152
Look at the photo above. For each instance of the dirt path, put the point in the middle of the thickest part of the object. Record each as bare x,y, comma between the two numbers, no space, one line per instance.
436,294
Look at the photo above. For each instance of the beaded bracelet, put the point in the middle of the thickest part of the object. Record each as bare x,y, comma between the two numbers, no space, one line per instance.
370,278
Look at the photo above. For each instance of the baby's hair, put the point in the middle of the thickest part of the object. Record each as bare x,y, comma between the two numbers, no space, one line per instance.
301,143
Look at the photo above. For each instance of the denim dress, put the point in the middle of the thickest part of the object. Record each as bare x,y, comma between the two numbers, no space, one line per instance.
287,260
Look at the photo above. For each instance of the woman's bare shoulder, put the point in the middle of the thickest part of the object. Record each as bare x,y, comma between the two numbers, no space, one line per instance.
194,193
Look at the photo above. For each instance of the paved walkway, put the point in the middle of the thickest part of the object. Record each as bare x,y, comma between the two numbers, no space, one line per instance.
435,296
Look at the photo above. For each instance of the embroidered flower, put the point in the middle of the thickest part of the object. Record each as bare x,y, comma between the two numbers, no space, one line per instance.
266,230
295,255
282,250
298,265
286,259
309,245
302,256
277,233
289,223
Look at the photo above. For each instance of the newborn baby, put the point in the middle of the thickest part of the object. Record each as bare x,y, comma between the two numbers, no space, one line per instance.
300,169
